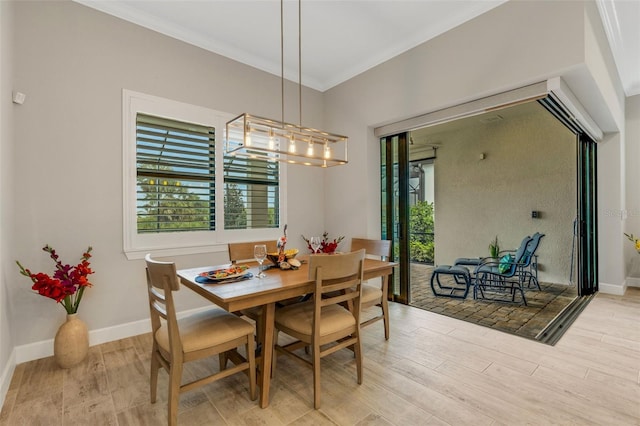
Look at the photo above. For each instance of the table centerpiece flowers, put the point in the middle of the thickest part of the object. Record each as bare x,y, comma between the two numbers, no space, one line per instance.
327,245
284,258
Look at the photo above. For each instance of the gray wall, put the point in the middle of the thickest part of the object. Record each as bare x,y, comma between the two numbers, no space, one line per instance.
503,49
6,169
73,62
632,210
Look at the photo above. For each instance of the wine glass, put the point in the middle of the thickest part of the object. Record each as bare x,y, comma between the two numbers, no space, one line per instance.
315,243
260,253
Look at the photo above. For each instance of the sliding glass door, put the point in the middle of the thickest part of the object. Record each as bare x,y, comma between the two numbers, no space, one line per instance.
398,184
395,209
587,226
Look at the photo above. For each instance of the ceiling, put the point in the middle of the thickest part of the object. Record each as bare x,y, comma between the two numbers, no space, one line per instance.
437,136
341,38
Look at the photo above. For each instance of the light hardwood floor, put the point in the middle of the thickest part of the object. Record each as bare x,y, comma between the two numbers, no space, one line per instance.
434,370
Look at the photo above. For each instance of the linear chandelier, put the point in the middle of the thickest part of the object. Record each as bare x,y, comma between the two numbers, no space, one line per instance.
250,136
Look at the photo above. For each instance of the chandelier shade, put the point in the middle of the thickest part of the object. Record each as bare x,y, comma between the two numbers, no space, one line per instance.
262,138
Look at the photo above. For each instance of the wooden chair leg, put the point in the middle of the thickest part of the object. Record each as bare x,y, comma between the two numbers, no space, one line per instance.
222,358
357,349
385,305
316,377
385,315
153,379
251,357
175,376
259,331
274,352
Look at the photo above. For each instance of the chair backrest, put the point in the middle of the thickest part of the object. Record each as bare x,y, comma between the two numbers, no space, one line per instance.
162,281
379,248
338,279
517,258
532,246
522,249
239,252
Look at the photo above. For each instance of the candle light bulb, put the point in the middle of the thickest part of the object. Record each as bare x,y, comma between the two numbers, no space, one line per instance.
310,150
292,145
327,152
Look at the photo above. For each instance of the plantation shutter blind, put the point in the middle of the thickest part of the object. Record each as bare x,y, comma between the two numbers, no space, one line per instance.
251,193
175,163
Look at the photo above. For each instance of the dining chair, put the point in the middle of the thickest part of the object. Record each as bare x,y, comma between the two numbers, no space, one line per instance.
375,295
242,252
323,323
201,335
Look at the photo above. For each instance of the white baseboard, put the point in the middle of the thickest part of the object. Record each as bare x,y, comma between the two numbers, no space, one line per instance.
633,282
617,290
7,374
44,348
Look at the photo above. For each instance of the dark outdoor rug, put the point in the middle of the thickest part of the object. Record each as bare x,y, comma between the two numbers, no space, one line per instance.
548,313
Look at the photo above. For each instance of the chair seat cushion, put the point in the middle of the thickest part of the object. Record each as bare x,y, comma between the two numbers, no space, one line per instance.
206,329
468,261
299,318
452,270
370,293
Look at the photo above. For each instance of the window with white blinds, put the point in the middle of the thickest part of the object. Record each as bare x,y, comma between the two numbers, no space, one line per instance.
181,195
175,164
251,193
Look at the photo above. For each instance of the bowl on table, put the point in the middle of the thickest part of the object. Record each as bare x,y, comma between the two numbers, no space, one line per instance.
289,254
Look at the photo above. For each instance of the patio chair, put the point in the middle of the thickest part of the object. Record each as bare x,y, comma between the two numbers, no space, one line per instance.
501,276
529,267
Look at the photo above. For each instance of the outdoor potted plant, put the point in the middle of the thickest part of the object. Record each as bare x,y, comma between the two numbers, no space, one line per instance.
494,248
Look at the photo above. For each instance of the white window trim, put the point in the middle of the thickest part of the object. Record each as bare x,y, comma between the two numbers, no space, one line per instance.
135,245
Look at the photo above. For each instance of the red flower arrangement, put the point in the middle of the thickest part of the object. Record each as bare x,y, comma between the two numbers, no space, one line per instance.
326,245
68,282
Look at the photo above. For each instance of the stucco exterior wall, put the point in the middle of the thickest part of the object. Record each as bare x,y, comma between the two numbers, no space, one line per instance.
529,164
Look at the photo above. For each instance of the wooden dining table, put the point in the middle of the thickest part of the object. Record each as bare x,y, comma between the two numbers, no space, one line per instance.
278,285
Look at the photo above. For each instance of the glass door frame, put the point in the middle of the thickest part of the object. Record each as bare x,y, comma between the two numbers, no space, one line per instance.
394,167
587,216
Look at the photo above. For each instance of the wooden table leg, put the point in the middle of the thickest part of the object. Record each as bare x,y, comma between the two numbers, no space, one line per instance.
268,317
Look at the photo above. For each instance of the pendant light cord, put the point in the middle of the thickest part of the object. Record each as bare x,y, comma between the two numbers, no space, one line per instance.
282,58
300,61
